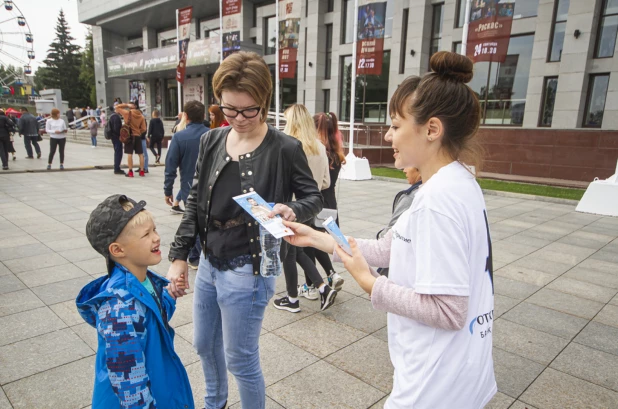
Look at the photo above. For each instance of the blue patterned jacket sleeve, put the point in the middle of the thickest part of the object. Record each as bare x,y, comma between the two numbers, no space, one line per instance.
121,322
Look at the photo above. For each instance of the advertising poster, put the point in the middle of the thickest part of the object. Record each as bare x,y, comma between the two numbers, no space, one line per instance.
289,31
232,26
490,30
184,33
193,89
231,43
257,207
137,91
370,38
231,7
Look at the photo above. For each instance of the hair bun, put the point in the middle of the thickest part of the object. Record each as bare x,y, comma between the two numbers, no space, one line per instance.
452,66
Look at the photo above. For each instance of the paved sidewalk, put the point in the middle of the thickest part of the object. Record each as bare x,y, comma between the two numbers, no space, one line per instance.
556,280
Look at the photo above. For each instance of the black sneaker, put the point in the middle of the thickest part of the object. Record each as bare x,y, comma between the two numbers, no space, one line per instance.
285,304
327,298
194,264
119,172
177,210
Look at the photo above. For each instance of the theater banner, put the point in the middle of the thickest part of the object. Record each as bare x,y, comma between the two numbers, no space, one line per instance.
490,30
370,37
184,34
289,29
232,26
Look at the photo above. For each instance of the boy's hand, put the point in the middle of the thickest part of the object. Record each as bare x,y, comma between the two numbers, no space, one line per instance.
178,274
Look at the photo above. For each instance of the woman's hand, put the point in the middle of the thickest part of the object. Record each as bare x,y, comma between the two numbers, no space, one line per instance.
285,211
305,236
178,275
357,266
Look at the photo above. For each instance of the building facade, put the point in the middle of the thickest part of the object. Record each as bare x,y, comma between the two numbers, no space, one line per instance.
561,71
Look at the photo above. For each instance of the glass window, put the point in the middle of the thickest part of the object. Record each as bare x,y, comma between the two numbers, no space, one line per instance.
502,87
404,41
526,8
371,102
349,14
457,47
608,28
326,100
168,41
270,35
461,14
436,28
595,105
550,85
329,50
215,32
331,6
559,27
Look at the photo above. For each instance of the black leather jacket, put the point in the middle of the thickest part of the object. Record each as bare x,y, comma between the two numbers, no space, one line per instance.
276,170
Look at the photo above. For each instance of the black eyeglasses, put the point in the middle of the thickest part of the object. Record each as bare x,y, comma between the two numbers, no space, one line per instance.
247,112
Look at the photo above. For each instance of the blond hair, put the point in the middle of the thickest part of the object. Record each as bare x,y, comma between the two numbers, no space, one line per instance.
300,126
182,124
245,72
139,219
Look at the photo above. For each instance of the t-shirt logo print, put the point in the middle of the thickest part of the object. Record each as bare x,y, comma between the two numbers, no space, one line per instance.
489,265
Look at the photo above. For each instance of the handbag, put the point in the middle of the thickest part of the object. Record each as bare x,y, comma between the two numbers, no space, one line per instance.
323,215
125,131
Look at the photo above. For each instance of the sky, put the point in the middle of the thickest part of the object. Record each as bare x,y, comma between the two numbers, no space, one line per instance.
42,16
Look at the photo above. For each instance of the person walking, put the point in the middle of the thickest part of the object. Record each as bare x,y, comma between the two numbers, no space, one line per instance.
84,114
115,123
299,125
137,126
180,125
145,145
439,295
217,119
29,129
56,128
6,127
103,118
70,118
182,153
230,294
93,126
156,133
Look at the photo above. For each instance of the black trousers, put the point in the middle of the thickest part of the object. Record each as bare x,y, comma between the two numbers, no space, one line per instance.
297,255
53,143
322,258
158,143
5,147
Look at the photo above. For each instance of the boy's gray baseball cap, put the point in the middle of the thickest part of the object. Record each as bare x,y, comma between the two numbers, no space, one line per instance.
106,223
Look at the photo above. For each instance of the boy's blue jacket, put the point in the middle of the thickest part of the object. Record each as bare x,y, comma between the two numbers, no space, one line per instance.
136,366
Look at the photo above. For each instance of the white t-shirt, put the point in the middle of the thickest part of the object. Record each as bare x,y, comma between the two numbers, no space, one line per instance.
54,125
441,246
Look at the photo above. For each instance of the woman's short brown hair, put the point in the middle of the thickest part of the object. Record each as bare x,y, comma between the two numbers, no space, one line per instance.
55,113
245,72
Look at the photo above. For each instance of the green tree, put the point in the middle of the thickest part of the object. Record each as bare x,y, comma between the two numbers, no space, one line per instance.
86,75
62,66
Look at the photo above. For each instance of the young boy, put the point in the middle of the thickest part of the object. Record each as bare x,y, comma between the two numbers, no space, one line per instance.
136,366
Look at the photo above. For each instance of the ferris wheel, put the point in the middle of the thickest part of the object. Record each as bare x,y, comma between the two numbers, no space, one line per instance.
16,43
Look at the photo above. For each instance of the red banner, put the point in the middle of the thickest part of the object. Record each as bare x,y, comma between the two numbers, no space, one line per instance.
490,30
231,7
289,29
370,38
287,62
184,33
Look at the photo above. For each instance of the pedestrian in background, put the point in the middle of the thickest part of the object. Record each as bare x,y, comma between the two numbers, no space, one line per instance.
156,133
56,128
70,118
29,129
217,119
145,145
93,126
137,126
103,118
115,123
6,127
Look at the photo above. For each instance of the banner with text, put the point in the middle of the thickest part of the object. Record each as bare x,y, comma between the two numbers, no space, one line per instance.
490,30
370,37
193,89
232,26
289,29
184,34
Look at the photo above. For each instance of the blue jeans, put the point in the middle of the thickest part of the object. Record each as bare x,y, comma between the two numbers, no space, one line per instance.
117,154
196,251
32,140
228,309
94,140
145,154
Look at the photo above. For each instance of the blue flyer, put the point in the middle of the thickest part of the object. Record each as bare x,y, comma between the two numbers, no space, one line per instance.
259,209
331,227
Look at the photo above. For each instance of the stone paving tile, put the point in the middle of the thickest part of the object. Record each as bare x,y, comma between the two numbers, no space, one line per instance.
586,239
527,342
184,311
18,301
500,401
23,251
549,267
61,291
374,369
358,313
608,316
35,262
185,351
503,303
28,324
568,303
557,390
67,311
60,233
48,390
605,255
583,290
604,280
380,404
521,405
88,334
4,270
69,244
546,320
514,289
381,334
275,353
10,283
599,336
80,254
270,404
10,242
350,392
49,275
514,373
319,336
589,364
93,266
599,265
40,353
524,275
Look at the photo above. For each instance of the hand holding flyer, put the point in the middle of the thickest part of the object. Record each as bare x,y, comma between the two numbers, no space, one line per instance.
331,227
259,209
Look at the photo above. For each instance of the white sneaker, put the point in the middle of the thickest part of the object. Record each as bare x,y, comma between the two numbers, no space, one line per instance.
335,281
93,147
310,293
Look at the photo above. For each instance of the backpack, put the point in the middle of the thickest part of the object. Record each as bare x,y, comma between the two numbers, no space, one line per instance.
108,127
125,131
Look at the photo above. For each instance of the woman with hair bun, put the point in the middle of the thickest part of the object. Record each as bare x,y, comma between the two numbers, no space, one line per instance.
439,293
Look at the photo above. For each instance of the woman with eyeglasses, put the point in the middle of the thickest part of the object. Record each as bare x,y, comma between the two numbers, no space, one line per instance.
230,293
